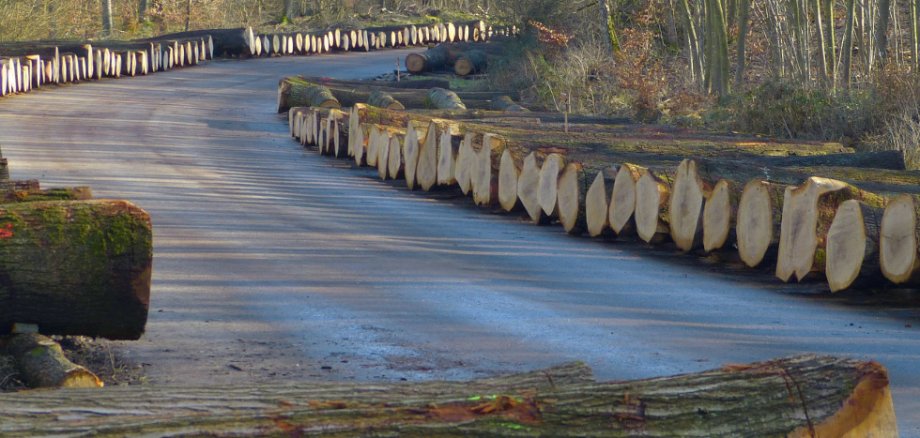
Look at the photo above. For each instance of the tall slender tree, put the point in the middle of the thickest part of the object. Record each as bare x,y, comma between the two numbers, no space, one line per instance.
607,23
107,17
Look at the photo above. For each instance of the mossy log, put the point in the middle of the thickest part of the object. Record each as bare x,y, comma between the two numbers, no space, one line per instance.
469,62
293,91
653,192
597,201
41,364
799,396
808,211
440,98
382,99
75,267
433,59
507,105
899,240
852,245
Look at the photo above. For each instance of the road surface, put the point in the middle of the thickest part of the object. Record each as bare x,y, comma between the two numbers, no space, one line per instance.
273,263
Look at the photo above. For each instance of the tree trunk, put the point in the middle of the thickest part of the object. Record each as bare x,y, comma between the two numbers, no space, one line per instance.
881,30
743,17
608,25
42,364
75,267
107,25
142,11
798,396
808,211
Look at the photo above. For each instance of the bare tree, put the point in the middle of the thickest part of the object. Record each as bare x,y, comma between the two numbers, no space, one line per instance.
141,10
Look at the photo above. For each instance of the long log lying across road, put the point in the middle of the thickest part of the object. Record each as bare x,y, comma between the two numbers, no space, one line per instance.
798,396
75,267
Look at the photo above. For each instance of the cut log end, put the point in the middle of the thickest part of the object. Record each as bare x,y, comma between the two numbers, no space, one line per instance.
717,217
570,198
597,218
898,241
548,186
508,173
754,227
846,246
686,206
623,198
651,196
527,185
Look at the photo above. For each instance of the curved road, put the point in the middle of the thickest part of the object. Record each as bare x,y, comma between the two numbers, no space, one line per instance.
275,263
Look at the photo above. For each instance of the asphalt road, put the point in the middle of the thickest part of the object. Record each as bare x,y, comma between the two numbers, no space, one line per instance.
275,263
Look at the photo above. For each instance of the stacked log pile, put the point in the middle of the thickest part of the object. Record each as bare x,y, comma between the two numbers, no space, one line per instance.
797,396
29,66
701,193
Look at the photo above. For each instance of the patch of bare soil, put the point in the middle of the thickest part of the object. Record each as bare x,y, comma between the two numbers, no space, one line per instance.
97,355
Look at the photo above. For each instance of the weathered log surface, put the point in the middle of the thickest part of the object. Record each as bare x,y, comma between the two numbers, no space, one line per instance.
433,59
294,91
800,396
75,267
42,364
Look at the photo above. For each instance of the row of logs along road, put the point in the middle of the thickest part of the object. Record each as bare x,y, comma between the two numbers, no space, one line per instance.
726,195
28,66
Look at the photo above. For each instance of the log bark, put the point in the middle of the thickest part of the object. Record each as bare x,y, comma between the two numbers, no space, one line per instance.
471,61
757,227
808,211
75,267
597,205
852,245
440,98
653,191
383,99
798,396
41,364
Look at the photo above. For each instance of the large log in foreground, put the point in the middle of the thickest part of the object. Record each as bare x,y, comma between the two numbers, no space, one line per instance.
799,396
75,267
